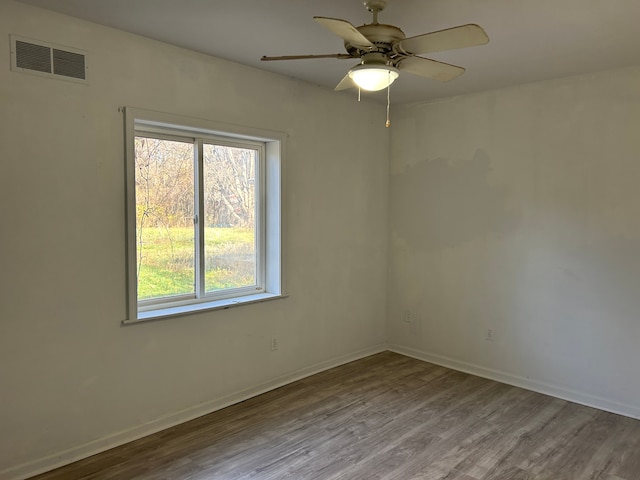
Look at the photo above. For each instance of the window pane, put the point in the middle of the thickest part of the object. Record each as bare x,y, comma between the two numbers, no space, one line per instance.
165,233
229,204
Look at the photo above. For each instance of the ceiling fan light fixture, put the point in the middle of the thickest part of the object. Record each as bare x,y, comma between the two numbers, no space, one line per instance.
373,77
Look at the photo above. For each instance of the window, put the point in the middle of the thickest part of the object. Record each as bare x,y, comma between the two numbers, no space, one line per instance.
204,215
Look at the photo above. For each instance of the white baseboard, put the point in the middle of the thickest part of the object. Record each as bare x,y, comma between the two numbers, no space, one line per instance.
59,459
557,391
29,469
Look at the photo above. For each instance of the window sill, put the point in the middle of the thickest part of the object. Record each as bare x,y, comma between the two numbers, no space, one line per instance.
162,313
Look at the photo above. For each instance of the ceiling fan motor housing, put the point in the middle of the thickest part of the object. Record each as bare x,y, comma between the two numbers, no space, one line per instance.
381,35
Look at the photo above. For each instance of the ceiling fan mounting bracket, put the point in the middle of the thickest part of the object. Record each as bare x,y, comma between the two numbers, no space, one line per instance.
375,6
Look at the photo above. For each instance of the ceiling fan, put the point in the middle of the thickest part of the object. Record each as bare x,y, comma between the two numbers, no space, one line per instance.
384,51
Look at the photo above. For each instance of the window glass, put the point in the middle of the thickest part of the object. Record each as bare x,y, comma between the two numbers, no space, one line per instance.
165,235
229,178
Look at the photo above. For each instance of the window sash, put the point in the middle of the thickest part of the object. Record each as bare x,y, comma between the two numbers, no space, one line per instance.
258,215
201,292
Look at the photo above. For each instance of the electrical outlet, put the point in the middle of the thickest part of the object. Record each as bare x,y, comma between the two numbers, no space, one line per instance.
408,316
489,336
275,343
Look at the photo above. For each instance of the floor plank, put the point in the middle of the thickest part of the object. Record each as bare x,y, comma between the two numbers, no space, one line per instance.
384,417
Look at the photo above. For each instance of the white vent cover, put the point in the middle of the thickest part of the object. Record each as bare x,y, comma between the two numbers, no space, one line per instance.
48,59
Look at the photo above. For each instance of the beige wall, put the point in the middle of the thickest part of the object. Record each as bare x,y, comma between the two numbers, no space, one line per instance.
518,211
72,380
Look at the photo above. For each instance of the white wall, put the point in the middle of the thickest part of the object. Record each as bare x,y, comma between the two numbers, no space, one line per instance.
72,380
513,210
518,210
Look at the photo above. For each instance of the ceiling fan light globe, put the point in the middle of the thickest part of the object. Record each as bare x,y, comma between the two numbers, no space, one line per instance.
373,77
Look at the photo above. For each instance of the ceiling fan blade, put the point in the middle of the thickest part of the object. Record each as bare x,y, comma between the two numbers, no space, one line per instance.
345,30
345,83
425,67
264,58
463,36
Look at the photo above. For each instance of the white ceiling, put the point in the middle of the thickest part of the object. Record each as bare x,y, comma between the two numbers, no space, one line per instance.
530,40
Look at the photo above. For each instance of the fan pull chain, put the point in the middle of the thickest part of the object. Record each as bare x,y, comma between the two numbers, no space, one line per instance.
388,123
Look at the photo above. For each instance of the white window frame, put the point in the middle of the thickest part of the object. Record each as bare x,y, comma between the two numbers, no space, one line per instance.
269,215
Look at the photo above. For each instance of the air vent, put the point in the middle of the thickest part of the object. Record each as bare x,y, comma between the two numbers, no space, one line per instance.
47,59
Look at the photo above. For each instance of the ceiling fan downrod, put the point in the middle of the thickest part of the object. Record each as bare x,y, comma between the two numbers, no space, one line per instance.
375,7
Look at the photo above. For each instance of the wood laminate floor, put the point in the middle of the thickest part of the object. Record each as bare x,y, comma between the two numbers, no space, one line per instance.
383,417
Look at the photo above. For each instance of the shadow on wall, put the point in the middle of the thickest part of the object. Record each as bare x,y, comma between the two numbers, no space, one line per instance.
439,203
